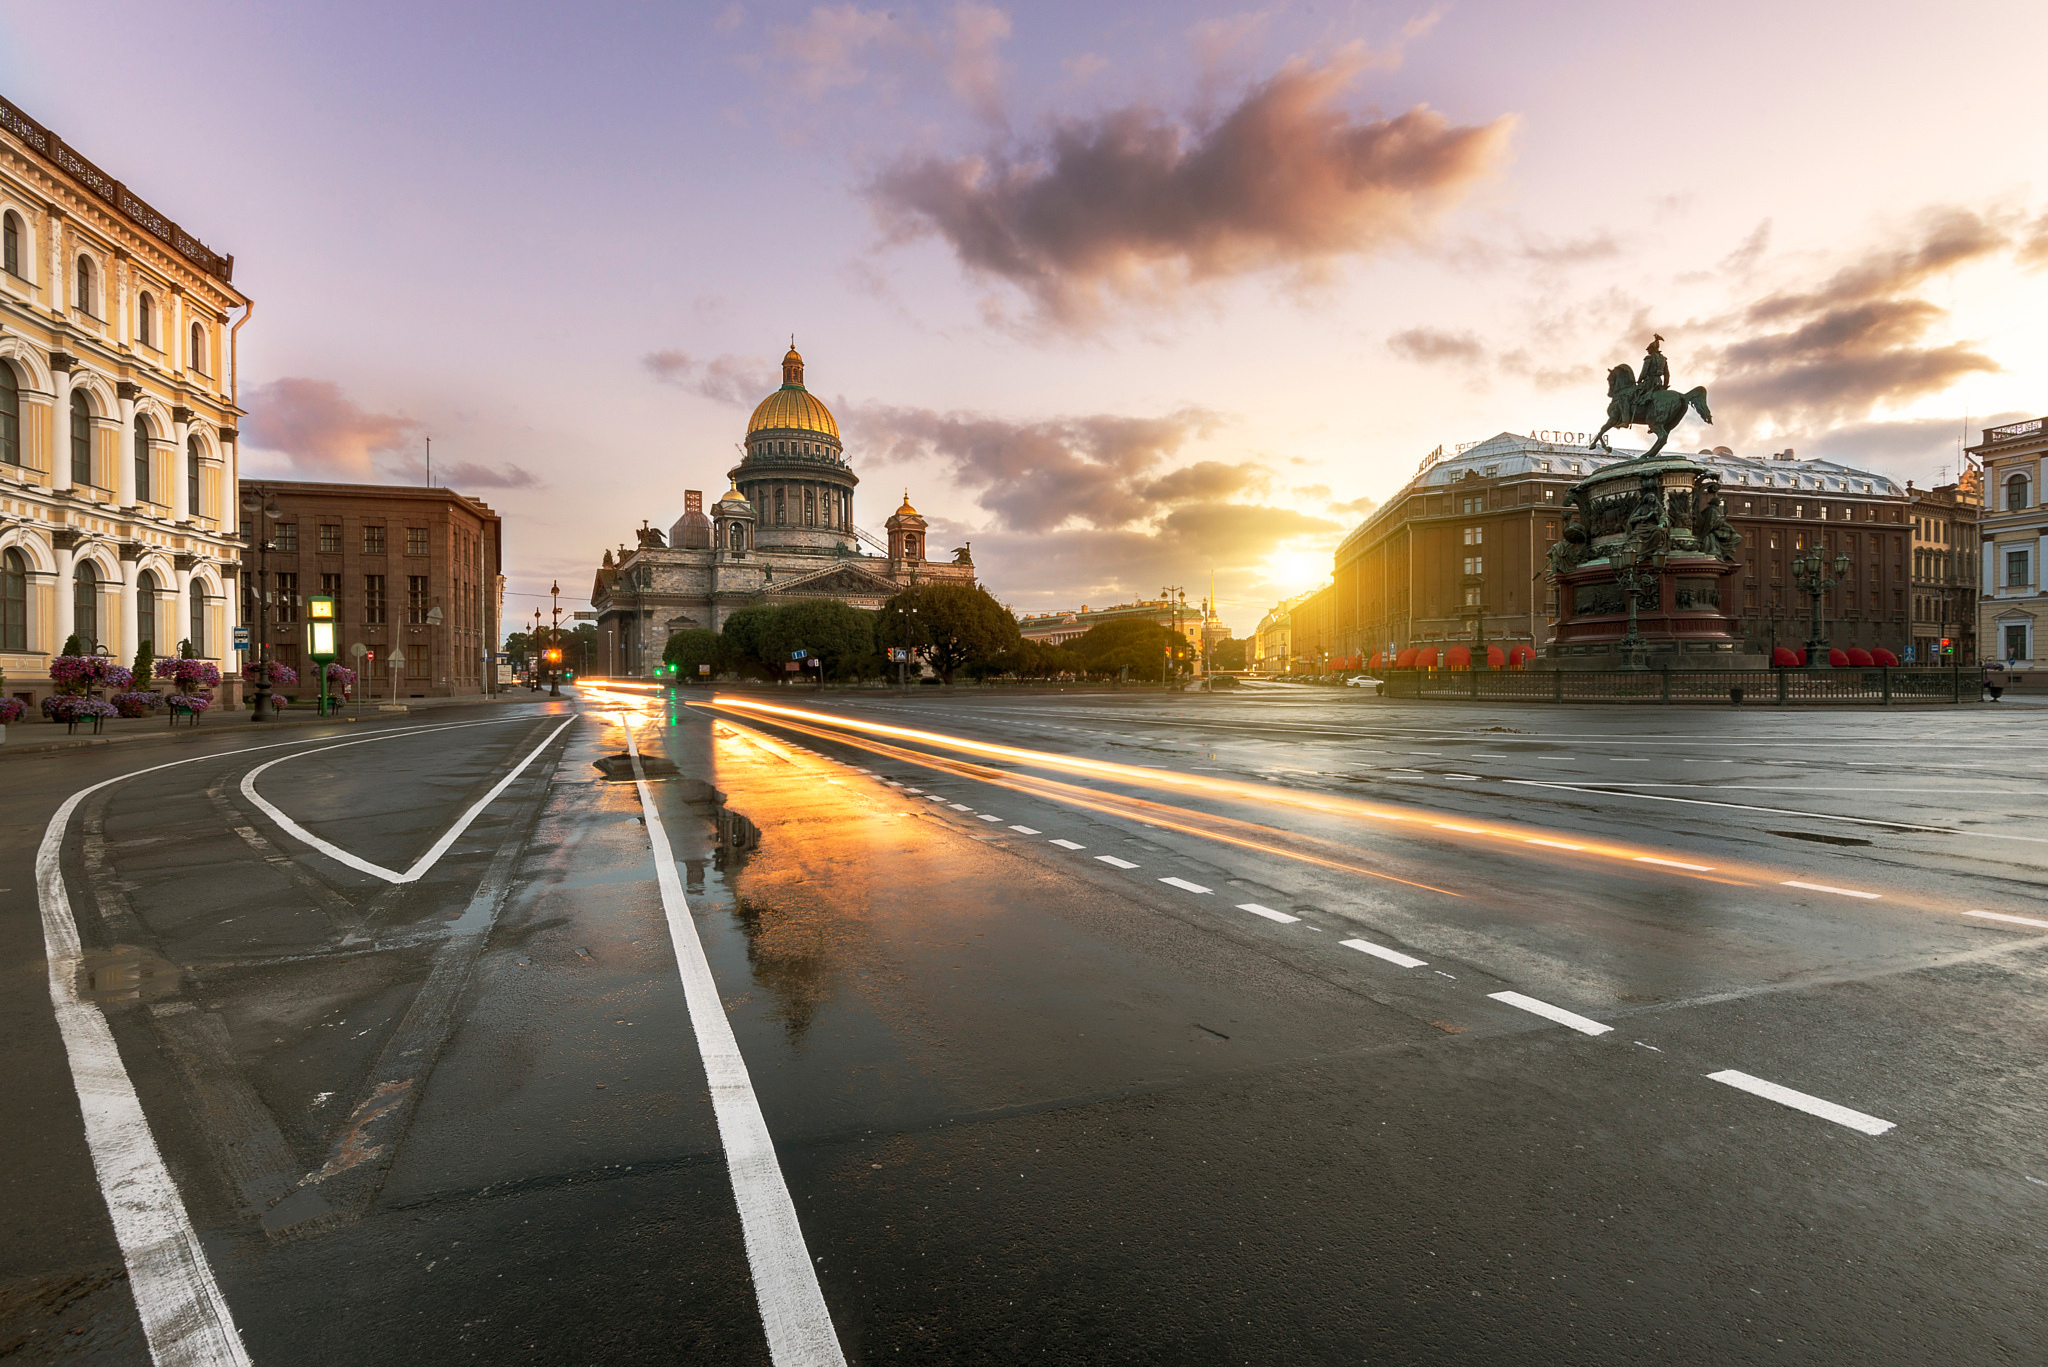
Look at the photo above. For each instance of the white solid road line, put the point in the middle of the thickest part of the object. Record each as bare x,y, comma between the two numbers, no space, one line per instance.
1552,1013
1112,859
1823,887
1468,830
1271,915
2001,916
426,861
1066,844
793,1312
1182,883
1392,956
1674,863
1800,1101
1023,830
185,1319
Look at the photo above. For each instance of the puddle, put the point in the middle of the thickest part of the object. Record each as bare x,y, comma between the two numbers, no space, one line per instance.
619,768
127,974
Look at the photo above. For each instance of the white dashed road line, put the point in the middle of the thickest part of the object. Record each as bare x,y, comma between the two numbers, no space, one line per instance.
1271,915
1119,863
1823,887
1800,1101
1553,844
2001,916
1067,845
1392,956
1023,830
986,817
1551,1013
1183,884
960,807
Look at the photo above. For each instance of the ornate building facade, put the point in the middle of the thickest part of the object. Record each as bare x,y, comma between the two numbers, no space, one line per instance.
117,419
785,531
2012,605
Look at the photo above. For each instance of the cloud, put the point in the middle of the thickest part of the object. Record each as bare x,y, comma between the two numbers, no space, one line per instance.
1204,481
1136,205
841,46
728,379
321,431
828,49
465,474
1860,340
971,51
1426,346
2033,250
1357,507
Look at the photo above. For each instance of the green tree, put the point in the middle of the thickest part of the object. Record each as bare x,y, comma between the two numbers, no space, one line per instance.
1038,660
145,665
950,626
688,649
74,645
1137,646
746,643
1228,654
519,646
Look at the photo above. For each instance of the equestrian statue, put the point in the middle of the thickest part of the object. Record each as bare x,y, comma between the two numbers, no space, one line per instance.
1649,400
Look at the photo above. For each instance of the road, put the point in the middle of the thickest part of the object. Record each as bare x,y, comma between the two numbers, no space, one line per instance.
1298,1026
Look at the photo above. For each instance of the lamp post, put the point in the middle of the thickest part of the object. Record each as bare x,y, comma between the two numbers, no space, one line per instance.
1810,572
555,648
540,652
265,509
1633,580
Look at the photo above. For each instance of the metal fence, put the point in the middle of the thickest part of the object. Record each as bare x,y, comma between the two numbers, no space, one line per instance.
1878,686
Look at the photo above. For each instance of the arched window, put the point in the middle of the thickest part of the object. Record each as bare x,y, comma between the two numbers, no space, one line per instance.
13,602
81,440
145,321
197,633
192,477
145,612
86,293
10,243
143,489
2016,494
196,358
737,536
85,603
10,416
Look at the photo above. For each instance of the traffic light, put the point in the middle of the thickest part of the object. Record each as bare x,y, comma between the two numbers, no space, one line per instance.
554,655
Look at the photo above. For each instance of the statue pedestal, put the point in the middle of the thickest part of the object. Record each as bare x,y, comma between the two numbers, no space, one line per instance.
1685,619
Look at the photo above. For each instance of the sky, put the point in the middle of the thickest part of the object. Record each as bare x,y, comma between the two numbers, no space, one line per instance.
1126,295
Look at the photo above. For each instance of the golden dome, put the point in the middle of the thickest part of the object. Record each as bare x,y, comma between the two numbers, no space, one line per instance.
733,495
793,408
906,510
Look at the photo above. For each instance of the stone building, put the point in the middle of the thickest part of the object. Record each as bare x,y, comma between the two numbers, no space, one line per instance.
1058,628
1470,532
416,570
1944,598
2012,604
785,531
117,419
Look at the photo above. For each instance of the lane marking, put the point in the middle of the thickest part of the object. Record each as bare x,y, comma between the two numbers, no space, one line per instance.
933,797
986,817
1553,844
793,1312
1112,859
960,806
426,861
1271,915
1777,811
1461,778
1392,956
1552,1013
1674,863
185,1318
1800,1101
1023,830
2001,916
1823,887
1181,883
1067,845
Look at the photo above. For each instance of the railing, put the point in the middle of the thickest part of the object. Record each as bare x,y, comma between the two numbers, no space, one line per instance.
1878,685
2014,430
130,205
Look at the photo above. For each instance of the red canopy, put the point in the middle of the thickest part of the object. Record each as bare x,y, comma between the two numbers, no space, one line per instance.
1860,657
1520,656
1495,659
1425,658
1881,656
1838,659
1406,659
1784,657
1458,657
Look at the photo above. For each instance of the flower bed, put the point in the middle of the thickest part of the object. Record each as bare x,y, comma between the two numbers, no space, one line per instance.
279,674
341,680
136,704
74,708
11,710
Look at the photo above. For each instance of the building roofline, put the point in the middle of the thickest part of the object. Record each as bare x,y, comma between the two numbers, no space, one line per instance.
425,493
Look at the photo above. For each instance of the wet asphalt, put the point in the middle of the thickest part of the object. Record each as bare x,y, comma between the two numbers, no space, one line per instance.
1031,1102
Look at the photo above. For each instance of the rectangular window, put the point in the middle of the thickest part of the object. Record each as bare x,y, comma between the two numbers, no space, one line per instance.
1475,564
810,507
1474,535
2016,575
373,600
373,539
286,608
2016,643
415,540
287,540
1472,598
330,539
330,586
416,596
419,661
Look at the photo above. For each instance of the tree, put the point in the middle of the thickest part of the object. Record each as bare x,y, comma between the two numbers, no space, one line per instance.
950,626
1228,654
745,642
1038,660
762,639
688,649
1137,646
145,663
519,646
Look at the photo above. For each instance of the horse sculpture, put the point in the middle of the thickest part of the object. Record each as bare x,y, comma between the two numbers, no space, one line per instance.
1660,411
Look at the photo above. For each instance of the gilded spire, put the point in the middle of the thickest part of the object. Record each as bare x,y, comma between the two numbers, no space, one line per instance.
792,366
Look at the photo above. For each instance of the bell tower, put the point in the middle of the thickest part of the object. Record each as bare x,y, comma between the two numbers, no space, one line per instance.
906,533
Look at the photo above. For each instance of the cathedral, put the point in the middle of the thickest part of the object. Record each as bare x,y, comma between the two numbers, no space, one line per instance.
783,532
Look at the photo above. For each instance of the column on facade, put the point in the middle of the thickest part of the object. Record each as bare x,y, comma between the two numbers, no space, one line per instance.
59,281
65,549
126,494
181,429
181,604
60,423
174,337
131,573
230,510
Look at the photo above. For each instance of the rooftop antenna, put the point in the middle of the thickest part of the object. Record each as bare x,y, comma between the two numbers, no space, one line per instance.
430,462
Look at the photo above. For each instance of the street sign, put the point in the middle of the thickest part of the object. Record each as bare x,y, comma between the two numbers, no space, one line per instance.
898,654
397,656
704,670
359,650
798,654
241,638
1909,654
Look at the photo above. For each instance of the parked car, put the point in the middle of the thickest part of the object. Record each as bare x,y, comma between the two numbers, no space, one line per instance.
1362,681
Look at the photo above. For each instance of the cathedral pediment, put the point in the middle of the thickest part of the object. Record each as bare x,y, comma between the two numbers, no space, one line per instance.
835,581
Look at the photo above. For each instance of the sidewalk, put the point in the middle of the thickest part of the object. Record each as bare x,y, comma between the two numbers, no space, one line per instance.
39,738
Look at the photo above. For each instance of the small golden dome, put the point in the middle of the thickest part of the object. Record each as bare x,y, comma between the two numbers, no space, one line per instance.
906,510
793,408
733,495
